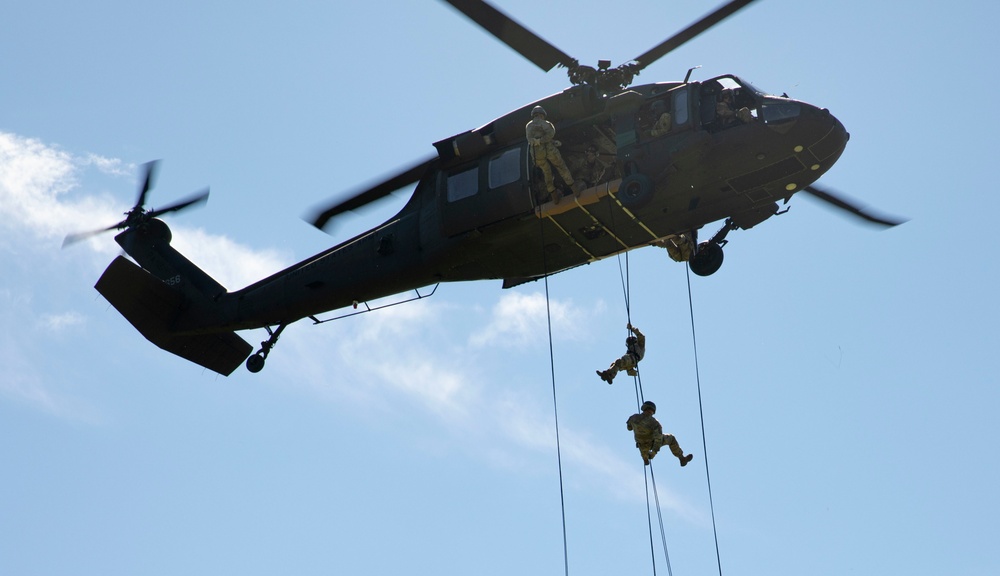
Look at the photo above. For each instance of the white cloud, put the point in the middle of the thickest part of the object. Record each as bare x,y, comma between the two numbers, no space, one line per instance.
42,197
519,320
232,264
35,182
24,381
411,357
61,322
32,177
111,166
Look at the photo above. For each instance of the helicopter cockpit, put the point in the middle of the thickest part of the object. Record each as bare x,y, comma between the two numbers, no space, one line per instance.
727,101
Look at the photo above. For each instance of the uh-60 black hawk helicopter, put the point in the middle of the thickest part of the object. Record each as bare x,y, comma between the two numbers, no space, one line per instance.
679,155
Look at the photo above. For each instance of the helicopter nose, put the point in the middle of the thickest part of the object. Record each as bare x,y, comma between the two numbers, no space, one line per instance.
830,135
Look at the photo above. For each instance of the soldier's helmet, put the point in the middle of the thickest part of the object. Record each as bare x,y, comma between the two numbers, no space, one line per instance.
538,110
631,340
647,405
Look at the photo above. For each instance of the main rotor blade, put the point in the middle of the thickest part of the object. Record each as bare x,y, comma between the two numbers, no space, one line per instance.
850,207
147,182
513,34
690,32
198,198
408,176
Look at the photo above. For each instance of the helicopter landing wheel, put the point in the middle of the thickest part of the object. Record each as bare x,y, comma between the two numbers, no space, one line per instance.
707,260
635,190
255,363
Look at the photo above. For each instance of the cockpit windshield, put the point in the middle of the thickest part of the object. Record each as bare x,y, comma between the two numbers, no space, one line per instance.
773,110
734,83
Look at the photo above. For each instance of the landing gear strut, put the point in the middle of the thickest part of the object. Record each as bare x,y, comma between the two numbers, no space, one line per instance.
255,363
708,257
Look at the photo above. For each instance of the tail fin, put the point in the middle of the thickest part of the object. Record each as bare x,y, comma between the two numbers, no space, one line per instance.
152,307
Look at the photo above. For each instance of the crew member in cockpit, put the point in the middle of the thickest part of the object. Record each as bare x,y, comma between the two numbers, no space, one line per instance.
727,112
544,149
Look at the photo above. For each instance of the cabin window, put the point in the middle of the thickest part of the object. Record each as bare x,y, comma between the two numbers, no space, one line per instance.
505,168
680,106
463,184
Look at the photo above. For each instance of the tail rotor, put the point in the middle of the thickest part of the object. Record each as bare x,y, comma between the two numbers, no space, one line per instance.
138,216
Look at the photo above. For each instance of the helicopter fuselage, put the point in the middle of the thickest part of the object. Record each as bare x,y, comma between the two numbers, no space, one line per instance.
480,211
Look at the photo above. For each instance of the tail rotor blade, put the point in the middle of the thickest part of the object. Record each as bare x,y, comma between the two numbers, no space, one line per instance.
138,215
149,175
81,236
198,198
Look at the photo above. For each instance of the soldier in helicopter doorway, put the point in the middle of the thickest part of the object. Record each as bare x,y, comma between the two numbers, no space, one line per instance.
544,149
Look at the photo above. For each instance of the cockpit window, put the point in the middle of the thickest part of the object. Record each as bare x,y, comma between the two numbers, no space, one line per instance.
728,102
734,83
505,168
463,184
776,111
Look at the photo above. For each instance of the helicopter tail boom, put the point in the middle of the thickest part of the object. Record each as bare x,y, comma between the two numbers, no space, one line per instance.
152,307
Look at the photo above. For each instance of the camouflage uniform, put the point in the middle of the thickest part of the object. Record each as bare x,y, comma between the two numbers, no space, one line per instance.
541,133
662,125
649,436
680,247
727,115
635,347
591,172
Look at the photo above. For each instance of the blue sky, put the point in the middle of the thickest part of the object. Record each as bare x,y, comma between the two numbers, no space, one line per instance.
847,374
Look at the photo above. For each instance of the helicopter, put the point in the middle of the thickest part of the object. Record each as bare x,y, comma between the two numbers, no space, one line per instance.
675,156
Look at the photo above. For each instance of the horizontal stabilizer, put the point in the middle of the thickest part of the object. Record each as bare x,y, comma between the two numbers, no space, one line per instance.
152,307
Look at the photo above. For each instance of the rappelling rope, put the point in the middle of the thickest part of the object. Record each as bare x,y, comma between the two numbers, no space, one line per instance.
701,413
659,516
650,479
555,405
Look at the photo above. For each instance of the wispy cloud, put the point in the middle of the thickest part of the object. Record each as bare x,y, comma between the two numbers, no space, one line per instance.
61,322
42,198
520,320
24,379
233,264
415,355
45,192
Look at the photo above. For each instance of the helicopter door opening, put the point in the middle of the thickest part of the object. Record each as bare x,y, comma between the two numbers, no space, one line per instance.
492,189
669,114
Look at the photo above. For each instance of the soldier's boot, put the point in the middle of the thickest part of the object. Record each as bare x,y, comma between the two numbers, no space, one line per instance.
685,459
606,375
555,196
